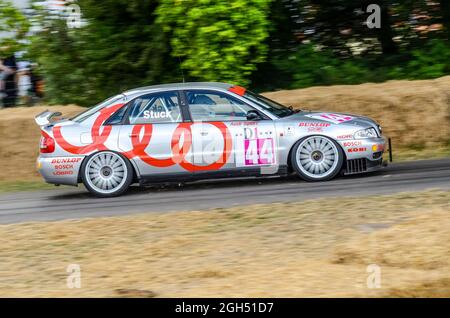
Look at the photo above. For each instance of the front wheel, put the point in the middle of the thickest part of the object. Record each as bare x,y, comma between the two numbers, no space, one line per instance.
317,158
106,174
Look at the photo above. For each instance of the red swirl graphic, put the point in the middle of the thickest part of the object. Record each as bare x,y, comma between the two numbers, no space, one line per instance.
98,139
140,144
219,163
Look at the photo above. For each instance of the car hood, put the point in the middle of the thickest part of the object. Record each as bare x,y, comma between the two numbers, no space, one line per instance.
333,118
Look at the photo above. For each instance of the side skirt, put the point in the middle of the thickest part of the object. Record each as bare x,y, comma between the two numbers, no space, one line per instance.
203,175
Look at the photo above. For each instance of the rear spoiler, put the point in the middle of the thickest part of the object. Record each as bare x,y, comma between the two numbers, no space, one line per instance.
44,118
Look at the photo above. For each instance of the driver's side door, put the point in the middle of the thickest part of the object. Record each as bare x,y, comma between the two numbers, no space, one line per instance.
224,139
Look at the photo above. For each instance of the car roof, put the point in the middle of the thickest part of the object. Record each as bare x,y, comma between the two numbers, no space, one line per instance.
187,85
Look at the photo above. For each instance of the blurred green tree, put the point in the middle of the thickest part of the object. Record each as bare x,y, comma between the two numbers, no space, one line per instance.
14,27
264,44
118,47
217,40
325,42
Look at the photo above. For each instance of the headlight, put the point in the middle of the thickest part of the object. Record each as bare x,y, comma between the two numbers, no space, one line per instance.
365,133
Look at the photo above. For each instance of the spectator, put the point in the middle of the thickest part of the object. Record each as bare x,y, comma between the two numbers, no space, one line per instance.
37,83
4,72
24,86
8,68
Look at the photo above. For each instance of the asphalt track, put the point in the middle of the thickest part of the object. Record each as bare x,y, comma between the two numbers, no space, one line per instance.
59,204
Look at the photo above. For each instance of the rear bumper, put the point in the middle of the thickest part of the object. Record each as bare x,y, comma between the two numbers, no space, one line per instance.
59,170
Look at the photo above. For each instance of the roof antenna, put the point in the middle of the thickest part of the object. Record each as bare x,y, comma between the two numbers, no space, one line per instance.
181,69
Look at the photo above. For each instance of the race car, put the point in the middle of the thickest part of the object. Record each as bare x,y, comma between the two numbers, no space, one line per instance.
190,131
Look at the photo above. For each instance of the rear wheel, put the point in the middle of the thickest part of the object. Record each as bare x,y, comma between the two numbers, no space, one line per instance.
106,174
317,158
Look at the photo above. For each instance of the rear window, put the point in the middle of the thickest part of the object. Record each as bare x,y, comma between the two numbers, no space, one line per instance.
89,112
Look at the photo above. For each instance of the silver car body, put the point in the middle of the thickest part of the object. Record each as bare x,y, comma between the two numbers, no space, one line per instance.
187,148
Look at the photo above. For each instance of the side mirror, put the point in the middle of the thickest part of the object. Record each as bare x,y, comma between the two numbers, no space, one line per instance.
253,115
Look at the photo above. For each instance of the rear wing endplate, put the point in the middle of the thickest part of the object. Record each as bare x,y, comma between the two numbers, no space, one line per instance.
44,118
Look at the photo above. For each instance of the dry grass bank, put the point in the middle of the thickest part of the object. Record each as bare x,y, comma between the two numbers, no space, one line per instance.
314,248
416,114
19,145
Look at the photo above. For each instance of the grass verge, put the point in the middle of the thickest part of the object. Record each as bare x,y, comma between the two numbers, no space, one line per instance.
419,154
313,248
16,186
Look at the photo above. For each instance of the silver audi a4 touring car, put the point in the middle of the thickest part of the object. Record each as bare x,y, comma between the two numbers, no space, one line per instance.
188,131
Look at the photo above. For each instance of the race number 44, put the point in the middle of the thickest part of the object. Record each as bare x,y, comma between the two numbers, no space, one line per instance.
259,151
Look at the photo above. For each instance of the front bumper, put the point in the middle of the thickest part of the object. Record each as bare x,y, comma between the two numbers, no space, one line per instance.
362,165
59,170
363,155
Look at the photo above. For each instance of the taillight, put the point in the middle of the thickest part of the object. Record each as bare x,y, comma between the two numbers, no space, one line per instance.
47,143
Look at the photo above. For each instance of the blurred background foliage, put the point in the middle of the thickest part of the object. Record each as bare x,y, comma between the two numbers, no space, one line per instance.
262,44
13,23
217,40
120,47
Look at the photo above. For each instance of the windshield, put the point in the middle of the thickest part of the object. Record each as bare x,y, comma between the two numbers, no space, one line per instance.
86,114
269,105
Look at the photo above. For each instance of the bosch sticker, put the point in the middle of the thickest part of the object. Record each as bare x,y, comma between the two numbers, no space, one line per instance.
352,143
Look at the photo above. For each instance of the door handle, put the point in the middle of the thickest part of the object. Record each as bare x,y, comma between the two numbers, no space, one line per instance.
204,133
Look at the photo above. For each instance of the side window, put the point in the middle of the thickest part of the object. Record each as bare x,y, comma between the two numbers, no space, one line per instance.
155,108
117,117
215,106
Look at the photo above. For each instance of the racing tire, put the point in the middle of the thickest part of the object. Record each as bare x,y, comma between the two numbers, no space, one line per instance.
317,158
106,174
